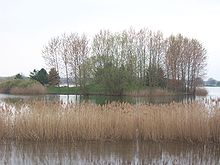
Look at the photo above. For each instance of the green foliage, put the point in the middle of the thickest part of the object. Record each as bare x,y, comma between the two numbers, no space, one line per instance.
155,77
113,79
40,76
53,77
91,89
128,60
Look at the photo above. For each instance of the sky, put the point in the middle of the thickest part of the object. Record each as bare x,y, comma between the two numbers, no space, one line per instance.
27,25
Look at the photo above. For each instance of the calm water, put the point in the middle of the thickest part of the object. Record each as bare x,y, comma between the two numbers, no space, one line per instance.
96,99
214,92
84,153
108,153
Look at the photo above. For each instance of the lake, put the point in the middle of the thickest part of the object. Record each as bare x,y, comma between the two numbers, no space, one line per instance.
214,92
135,152
97,99
108,153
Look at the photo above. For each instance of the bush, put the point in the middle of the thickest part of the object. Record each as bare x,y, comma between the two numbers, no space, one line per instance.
19,86
201,92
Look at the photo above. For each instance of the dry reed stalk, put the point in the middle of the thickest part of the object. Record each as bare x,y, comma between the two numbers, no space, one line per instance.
150,92
117,121
201,92
5,122
3,127
33,89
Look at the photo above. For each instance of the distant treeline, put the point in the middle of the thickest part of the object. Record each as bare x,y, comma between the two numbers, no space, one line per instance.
212,82
128,60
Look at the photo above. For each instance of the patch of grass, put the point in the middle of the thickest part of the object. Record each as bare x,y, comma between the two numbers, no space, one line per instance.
89,89
21,86
98,89
40,121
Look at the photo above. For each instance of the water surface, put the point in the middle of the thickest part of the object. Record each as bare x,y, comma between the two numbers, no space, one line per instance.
108,153
83,153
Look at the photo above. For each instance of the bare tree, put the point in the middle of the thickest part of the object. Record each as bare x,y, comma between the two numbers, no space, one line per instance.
51,54
185,61
64,55
78,50
144,57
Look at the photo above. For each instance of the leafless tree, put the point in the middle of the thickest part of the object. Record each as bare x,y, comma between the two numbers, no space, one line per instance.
64,49
143,56
78,50
51,54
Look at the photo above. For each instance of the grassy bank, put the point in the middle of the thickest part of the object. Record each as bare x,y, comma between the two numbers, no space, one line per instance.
142,92
97,89
89,89
38,121
150,92
20,86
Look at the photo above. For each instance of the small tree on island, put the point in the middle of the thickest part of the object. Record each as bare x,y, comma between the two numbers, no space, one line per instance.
40,76
53,77
19,76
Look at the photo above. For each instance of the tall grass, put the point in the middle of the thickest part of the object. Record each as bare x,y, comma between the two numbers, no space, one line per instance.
33,89
5,121
20,86
41,121
201,92
150,92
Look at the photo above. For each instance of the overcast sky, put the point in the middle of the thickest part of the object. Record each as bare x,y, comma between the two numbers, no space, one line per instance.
27,25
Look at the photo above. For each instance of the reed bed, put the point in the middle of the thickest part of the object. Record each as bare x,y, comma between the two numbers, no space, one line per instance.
22,86
34,89
150,92
40,121
201,92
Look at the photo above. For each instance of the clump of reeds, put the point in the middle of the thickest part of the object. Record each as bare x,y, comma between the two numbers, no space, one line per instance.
22,86
3,126
42,121
150,92
201,92
33,89
5,121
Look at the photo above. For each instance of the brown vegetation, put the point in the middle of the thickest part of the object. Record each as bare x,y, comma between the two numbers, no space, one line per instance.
150,92
201,92
41,121
34,89
22,86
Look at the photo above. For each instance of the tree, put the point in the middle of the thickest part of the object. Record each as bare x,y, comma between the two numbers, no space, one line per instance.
112,79
53,77
34,75
78,50
19,76
64,49
185,61
40,76
142,58
51,53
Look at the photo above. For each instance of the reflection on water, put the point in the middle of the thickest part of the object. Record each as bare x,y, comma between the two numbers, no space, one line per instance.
108,153
98,99
15,153
214,92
